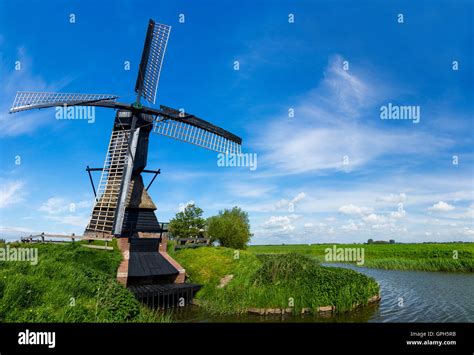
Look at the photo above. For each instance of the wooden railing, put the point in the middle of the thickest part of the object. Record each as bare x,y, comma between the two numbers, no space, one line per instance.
182,243
64,238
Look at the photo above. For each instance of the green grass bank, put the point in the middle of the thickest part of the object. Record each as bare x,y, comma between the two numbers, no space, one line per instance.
271,281
448,257
70,283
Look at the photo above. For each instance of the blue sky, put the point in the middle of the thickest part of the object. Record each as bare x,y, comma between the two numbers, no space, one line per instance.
335,172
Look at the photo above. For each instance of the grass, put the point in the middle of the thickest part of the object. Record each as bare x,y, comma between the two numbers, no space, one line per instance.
70,283
271,281
423,257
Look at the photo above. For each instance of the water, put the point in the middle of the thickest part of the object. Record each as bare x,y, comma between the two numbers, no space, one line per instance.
419,296
407,296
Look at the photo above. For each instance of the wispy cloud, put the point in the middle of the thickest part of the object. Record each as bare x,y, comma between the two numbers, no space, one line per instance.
354,209
66,212
11,193
23,79
290,204
335,128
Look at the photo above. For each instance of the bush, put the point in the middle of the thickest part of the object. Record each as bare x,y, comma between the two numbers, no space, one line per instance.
231,228
188,223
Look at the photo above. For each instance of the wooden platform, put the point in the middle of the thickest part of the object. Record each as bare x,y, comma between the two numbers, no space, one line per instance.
149,264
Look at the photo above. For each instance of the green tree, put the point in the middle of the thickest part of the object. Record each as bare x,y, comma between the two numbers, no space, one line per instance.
231,228
188,223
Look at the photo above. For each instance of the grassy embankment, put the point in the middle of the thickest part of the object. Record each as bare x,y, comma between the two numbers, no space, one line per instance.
423,257
70,283
271,281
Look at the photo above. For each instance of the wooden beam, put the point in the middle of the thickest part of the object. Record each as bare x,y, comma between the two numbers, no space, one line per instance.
100,247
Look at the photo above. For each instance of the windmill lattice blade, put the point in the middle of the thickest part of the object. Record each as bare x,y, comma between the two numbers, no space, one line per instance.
152,60
27,100
104,211
198,122
195,135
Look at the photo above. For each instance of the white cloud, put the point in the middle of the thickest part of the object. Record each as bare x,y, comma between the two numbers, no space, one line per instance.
54,205
333,122
389,226
468,231
441,206
71,220
57,205
74,214
298,197
374,218
398,214
351,226
11,193
24,80
249,190
392,198
469,213
290,204
281,223
354,209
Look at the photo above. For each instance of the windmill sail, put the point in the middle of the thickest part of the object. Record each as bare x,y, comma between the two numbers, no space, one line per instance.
27,100
152,60
197,136
189,128
107,214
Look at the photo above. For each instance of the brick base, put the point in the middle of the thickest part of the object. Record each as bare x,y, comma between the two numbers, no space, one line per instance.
163,249
122,272
124,247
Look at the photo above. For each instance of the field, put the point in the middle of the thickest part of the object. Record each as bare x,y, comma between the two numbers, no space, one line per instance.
70,283
272,282
448,257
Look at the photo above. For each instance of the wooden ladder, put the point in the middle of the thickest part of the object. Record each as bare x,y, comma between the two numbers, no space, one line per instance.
103,213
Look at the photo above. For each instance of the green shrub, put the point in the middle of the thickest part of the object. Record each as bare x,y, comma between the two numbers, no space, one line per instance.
188,223
231,228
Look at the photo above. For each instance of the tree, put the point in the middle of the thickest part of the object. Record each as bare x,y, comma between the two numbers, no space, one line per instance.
231,228
370,241
188,223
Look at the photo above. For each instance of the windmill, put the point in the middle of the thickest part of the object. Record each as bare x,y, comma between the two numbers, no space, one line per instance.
123,207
